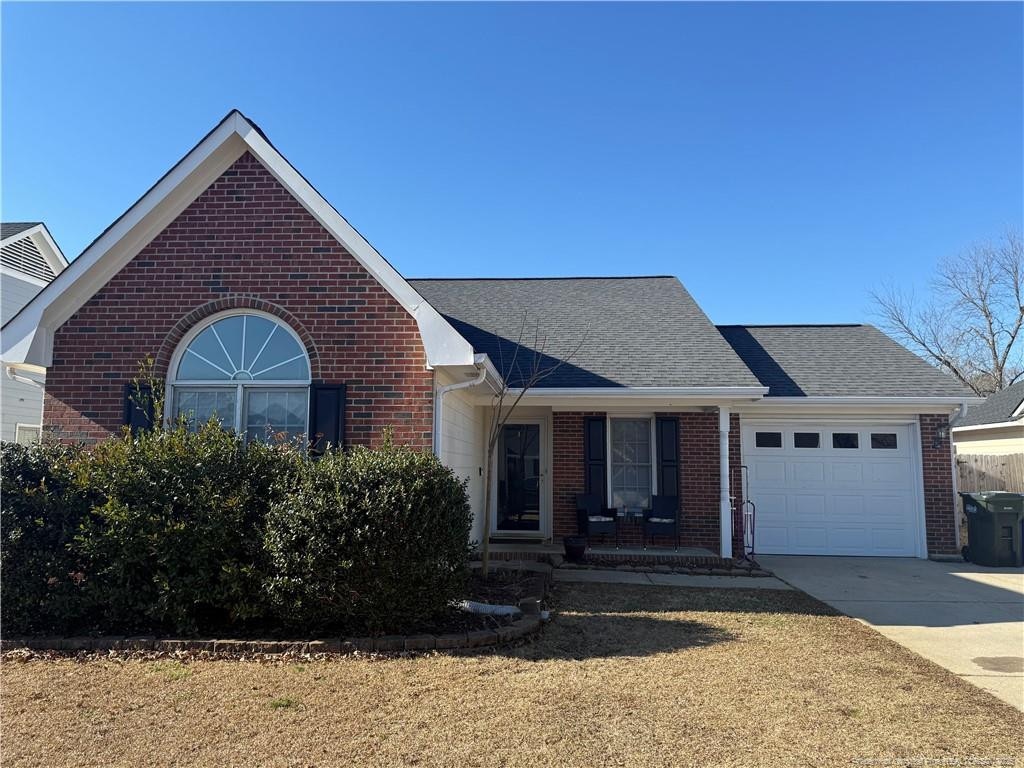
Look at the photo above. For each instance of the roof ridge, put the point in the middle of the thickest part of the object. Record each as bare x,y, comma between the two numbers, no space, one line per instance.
561,277
792,325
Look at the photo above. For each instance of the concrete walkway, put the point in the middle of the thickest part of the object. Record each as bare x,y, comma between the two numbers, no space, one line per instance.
667,579
966,618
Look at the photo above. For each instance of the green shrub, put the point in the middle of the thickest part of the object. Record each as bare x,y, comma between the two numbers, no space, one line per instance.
171,530
175,534
368,540
41,510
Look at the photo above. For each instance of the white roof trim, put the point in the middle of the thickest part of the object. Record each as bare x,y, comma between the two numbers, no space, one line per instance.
852,400
634,392
995,425
47,246
28,336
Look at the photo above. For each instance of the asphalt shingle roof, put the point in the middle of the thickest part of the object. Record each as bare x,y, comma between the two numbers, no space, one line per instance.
11,228
836,361
996,409
635,332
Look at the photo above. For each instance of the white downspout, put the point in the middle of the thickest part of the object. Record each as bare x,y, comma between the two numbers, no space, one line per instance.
725,502
439,402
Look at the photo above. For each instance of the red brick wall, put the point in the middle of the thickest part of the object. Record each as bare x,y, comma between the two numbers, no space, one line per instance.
699,473
567,469
699,492
244,242
939,504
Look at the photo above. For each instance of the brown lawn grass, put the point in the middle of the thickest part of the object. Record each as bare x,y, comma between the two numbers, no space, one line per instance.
624,676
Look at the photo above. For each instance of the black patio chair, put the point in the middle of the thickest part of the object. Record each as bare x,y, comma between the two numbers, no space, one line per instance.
594,519
662,519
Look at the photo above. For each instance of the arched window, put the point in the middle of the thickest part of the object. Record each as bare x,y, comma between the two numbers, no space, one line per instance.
250,371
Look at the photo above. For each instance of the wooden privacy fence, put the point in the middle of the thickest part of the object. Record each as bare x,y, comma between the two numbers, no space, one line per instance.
984,472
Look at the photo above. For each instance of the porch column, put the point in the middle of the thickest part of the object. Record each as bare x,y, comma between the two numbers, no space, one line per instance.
725,503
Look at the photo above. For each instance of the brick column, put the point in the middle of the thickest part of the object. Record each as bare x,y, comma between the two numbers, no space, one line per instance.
939,504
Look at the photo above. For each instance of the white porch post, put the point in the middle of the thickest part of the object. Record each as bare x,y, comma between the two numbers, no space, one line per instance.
725,504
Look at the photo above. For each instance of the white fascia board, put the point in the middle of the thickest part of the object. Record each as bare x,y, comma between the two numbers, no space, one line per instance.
27,337
1018,411
715,393
442,343
855,405
647,398
51,251
997,425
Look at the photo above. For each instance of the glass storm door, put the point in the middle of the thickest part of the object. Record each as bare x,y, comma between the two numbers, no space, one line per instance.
518,478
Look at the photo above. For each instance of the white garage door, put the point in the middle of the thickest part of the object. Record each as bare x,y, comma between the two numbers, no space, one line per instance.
832,489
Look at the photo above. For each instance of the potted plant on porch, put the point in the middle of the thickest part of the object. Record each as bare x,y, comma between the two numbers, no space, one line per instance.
575,548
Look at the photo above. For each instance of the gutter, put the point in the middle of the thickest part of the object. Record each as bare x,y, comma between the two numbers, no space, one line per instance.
11,369
481,367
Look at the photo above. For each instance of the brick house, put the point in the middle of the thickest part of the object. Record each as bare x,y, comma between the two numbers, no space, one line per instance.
261,306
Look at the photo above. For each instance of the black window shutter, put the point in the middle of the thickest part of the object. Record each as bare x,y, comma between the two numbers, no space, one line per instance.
595,457
326,416
138,407
668,455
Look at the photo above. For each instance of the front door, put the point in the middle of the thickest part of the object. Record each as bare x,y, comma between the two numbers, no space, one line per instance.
518,479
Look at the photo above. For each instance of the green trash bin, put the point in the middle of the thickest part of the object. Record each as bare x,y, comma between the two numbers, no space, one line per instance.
994,527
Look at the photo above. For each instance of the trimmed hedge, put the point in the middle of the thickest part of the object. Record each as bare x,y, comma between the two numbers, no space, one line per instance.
192,532
377,539
42,575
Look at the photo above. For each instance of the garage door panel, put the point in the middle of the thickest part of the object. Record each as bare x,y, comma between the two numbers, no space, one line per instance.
893,472
847,507
843,501
810,538
849,539
772,506
768,471
846,471
773,539
807,473
808,506
891,541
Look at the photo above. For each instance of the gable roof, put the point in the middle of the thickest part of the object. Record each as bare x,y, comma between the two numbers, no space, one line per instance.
631,331
12,228
27,337
1000,407
836,361
27,249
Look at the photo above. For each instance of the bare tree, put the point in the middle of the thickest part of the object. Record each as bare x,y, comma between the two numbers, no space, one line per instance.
528,366
971,322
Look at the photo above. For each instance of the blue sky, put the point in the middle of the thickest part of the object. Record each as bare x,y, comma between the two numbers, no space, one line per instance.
781,159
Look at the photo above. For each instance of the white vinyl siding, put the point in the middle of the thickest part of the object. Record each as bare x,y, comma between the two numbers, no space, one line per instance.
462,449
16,294
19,403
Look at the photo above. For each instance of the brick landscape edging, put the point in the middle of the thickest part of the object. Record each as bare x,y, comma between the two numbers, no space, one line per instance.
528,624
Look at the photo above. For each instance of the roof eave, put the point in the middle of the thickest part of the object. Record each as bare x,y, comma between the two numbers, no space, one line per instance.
28,335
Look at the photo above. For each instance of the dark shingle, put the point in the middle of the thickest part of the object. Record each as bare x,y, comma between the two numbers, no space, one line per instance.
636,332
996,409
836,361
11,228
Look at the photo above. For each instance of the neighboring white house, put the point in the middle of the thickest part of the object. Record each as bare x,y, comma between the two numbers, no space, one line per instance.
996,427
29,260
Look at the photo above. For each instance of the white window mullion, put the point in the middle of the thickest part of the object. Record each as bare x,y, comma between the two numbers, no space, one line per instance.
239,426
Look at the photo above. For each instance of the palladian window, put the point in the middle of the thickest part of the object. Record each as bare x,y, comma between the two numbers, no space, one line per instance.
250,372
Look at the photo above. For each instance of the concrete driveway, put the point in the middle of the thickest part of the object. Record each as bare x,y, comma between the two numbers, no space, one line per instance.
964,617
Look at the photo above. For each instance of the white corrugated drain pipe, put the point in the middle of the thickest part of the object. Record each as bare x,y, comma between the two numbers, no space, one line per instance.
439,403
